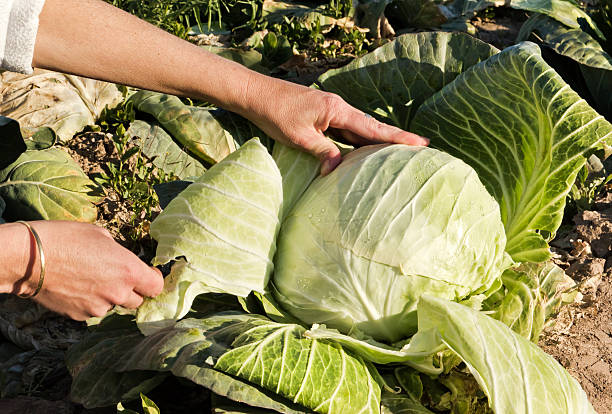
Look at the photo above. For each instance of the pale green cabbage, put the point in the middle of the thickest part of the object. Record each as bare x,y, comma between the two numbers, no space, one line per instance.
389,224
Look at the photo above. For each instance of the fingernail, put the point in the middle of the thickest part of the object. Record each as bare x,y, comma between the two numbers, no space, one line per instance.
424,141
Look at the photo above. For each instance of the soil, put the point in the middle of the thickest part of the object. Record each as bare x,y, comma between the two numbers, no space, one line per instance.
580,337
500,29
92,151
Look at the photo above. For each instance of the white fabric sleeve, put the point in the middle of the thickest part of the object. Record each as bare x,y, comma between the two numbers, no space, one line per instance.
18,29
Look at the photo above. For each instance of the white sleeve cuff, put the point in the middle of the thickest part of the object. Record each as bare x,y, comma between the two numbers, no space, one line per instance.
18,29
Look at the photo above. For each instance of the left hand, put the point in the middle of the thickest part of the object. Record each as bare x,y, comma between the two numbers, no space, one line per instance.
299,116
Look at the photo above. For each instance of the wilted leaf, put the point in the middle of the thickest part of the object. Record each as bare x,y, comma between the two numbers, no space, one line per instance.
166,154
65,103
249,58
195,128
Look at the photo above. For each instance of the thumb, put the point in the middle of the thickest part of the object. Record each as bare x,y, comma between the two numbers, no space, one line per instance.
325,150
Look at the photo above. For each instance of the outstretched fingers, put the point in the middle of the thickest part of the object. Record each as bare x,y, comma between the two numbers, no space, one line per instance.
361,128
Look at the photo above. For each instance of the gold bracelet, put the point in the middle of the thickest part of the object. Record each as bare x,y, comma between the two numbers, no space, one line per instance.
42,260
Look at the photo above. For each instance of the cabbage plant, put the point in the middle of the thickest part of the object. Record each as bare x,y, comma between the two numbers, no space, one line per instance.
392,278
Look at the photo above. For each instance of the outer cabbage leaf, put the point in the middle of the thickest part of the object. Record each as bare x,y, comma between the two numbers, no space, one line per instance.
48,185
419,353
91,363
564,11
298,169
65,103
394,80
168,156
532,293
195,128
221,232
201,349
573,43
319,375
595,63
388,224
525,132
516,375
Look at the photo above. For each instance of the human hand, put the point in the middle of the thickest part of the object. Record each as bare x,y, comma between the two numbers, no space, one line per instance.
87,272
298,116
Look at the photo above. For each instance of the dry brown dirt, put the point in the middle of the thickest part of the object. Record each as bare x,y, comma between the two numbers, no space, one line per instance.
580,338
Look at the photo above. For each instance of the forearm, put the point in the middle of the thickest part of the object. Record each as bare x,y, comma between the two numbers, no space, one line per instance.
93,39
16,259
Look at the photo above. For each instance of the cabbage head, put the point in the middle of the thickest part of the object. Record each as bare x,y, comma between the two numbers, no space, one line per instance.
390,224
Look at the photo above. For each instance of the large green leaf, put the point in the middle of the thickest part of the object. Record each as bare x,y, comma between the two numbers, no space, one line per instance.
318,375
221,231
516,375
303,370
65,103
394,80
418,353
573,43
48,185
525,132
165,153
595,63
194,128
564,11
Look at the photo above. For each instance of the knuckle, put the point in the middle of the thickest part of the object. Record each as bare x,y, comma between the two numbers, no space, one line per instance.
332,101
98,311
119,297
129,271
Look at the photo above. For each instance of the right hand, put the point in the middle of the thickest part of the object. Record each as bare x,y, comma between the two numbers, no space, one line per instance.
87,272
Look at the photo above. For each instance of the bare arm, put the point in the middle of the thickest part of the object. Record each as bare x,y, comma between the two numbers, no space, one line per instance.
96,40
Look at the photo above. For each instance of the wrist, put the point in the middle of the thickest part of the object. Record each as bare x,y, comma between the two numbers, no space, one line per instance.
19,258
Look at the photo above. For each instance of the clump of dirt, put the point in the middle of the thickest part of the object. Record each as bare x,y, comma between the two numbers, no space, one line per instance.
580,337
